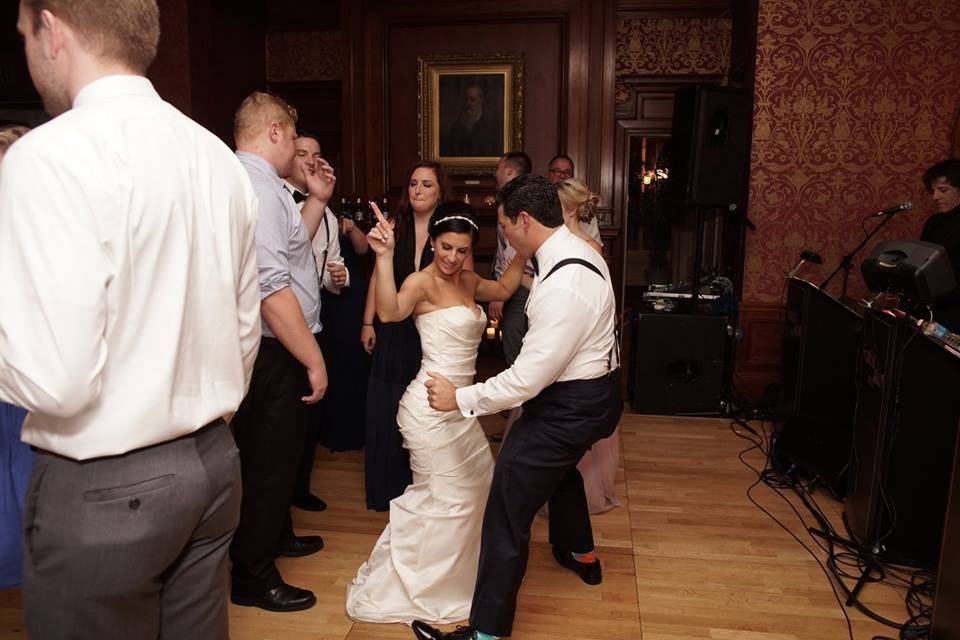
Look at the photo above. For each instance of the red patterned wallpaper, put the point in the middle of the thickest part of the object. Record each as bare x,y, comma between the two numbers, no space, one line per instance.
303,56
673,45
854,100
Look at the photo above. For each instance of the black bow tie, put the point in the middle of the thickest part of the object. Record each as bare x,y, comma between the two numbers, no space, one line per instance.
298,197
536,265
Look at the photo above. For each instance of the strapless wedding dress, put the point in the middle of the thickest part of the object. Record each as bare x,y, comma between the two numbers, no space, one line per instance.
425,563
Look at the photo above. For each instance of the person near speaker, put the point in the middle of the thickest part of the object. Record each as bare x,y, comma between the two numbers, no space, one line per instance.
942,181
599,465
567,378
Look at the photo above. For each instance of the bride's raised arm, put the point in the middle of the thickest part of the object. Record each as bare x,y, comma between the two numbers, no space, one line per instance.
391,306
504,288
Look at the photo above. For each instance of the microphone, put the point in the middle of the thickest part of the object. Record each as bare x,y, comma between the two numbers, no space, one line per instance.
897,208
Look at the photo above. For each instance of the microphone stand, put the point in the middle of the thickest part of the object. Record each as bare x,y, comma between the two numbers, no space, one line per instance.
847,262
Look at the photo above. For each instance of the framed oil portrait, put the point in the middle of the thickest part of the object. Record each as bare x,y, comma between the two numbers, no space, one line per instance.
470,109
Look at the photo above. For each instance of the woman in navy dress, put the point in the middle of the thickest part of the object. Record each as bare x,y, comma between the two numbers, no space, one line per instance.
395,346
344,406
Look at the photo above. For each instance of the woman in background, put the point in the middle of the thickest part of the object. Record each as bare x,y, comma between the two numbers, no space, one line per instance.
580,211
16,458
395,346
344,406
599,466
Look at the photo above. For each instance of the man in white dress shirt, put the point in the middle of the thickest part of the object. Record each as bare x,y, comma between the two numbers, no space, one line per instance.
334,276
567,377
129,324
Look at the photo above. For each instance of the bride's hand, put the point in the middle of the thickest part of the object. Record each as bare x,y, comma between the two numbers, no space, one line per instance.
381,238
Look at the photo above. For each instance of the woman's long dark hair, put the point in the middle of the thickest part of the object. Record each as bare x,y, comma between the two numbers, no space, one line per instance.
405,210
457,217
404,254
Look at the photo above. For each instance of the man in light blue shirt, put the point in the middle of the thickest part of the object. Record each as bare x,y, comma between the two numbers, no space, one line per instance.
289,373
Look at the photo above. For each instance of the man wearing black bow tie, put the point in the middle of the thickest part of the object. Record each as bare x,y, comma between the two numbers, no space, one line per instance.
333,277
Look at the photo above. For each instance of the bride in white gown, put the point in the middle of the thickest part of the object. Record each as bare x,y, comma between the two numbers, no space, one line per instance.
424,565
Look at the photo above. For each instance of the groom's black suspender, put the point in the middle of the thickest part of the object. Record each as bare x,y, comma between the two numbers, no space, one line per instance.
580,261
592,267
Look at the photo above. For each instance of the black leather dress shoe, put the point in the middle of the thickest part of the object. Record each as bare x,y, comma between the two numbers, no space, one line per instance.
310,502
300,546
589,572
282,598
423,631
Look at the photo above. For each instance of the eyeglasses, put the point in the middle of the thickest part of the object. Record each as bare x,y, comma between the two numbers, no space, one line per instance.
564,173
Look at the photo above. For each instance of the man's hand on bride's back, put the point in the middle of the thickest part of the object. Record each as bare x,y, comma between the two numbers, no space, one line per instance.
381,238
441,394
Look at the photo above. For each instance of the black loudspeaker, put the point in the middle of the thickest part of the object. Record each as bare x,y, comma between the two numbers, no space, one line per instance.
946,613
821,339
919,270
876,390
710,145
898,505
679,364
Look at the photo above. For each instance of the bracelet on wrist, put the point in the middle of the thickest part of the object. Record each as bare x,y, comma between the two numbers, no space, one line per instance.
368,324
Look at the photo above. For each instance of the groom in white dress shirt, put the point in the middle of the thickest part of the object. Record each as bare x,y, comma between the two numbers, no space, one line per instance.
567,377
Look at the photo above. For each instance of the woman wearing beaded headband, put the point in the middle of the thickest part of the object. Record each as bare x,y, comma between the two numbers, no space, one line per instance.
425,563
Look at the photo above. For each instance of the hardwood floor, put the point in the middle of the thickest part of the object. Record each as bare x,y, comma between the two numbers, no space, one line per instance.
687,556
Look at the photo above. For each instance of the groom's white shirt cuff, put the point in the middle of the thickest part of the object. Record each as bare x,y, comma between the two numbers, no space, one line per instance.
559,323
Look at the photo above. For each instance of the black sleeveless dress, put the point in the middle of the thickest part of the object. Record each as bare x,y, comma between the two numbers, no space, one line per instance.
396,360
344,406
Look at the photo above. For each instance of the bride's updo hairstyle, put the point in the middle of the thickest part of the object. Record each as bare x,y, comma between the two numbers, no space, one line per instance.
454,216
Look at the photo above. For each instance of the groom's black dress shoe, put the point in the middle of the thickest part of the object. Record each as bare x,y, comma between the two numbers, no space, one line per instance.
310,502
423,631
589,572
282,598
300,546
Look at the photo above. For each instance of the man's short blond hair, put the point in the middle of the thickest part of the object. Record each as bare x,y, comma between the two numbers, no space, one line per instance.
257,111
123,30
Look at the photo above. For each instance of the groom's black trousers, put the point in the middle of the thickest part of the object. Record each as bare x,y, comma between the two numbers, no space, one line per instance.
538,464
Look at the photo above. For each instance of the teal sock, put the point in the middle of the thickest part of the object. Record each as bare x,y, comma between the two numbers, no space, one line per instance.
479,635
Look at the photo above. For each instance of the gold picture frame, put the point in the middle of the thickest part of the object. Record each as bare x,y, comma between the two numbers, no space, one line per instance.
470,109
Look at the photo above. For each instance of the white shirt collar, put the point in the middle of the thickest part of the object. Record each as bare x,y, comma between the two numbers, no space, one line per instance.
552,250
112,86
291,188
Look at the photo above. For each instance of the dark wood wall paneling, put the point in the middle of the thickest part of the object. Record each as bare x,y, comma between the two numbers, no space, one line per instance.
568,86
228,59
539,41
16,89
758,354
211,56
